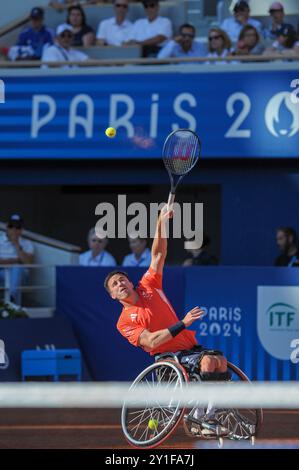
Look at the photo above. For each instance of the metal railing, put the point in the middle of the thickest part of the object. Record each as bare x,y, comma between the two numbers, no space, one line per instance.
46,282
152,61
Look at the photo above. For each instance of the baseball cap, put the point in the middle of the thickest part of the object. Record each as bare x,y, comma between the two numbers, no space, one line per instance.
63,27
37,12
275,6
242,5
15,220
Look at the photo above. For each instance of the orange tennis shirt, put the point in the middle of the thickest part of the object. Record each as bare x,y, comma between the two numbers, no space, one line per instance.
153,312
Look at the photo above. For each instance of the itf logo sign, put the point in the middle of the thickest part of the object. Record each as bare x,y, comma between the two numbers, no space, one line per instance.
278,318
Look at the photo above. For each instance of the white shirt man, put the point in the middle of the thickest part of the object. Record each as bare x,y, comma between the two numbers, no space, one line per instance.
15,250
112,33
115,31
96,255
153,30
140,256
144,29
102,259
61,51
142,262
9,251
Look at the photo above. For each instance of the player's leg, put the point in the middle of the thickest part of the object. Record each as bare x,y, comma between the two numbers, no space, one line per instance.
211,363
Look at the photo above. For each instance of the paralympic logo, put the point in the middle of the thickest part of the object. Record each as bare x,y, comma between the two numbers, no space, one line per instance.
276,111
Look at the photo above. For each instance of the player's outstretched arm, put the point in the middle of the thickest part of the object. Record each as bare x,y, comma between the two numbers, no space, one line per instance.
159,247
151,340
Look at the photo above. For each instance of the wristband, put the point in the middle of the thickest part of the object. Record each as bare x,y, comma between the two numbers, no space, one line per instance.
175,329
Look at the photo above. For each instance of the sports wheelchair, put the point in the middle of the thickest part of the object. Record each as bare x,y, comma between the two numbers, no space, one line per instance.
147,427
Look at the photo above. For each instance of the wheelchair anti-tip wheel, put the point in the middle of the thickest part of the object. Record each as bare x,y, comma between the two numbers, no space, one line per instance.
149,426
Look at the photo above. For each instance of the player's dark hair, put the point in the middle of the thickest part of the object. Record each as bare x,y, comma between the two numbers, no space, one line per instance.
288,231
116,271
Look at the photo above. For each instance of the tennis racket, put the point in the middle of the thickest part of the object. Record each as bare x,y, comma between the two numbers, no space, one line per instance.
181,151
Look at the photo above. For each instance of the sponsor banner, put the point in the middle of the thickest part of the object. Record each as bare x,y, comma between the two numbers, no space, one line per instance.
278,319
236,114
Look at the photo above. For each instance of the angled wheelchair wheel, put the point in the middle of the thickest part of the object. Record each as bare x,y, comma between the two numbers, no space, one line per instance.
240,423
148,426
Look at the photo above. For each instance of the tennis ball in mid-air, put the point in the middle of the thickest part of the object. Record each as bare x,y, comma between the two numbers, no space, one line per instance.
153,424
110,132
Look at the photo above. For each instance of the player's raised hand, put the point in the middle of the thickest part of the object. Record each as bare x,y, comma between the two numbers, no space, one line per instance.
195,314
166,212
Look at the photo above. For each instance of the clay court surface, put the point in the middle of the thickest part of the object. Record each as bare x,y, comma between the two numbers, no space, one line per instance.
100,429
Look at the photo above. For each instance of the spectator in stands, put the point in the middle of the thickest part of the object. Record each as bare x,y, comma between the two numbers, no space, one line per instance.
200,257
116,30
140,256
15,250
286,239
61,50
219,44
249,42
97,255
32,40
233,26
152,32
286,42
276,11
83,33
183,45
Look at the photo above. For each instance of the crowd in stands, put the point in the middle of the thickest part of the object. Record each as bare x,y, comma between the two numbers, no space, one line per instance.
238,35
16,251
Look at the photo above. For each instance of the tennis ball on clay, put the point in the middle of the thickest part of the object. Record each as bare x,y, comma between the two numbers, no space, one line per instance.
153,424
110,132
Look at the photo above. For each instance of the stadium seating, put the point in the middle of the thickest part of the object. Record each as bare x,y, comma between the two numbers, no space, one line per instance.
175,10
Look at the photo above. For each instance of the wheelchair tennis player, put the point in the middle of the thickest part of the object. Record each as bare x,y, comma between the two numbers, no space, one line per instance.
148,320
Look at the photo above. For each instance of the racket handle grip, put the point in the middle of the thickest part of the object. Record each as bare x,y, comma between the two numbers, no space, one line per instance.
170,201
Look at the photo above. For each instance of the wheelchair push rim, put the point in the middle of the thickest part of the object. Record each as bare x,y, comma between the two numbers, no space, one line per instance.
148,426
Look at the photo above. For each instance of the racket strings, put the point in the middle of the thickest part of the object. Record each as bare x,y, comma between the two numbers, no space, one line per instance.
181,152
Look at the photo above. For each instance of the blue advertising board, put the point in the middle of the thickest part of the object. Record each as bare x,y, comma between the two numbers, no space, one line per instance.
236,113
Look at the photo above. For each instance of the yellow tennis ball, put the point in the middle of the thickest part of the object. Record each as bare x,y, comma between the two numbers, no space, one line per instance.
153,424
110,132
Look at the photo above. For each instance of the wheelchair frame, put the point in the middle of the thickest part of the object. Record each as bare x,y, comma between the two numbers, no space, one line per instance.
149,427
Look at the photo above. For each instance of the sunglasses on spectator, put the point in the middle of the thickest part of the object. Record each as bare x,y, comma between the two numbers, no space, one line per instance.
66,35
187,35
97,240
17,227
121,5
150,5
215,37
276,9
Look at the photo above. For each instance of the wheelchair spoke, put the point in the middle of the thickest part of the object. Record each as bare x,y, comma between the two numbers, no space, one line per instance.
136,421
